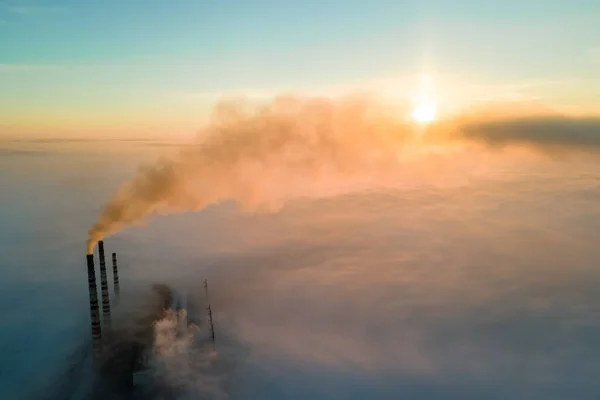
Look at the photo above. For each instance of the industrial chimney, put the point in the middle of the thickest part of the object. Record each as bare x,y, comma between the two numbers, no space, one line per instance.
94,310
104,284
115,274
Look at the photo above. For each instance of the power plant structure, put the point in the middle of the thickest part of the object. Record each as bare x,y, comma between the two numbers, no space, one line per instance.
121,348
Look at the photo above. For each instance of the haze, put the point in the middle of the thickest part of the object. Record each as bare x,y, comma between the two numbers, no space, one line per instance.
389,199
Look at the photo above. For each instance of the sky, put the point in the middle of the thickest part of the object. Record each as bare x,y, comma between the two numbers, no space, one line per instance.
156,68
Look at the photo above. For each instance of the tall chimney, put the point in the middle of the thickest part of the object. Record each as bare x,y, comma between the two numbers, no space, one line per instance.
94,311
115,275
104,285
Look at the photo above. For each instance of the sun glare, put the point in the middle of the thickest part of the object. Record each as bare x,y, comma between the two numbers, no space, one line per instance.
424,112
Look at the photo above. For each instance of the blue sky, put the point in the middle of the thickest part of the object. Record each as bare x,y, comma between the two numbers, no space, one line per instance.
140,66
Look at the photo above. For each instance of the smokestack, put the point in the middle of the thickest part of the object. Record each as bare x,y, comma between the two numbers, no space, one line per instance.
94,311
104,284
115,275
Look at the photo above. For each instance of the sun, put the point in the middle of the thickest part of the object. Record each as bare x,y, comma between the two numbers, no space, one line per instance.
425,107
425,112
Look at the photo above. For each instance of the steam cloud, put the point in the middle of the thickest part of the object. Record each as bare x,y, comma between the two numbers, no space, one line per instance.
262,155
182,362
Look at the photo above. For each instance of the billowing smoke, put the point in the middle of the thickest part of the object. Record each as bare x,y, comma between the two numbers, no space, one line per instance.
262,155
184,361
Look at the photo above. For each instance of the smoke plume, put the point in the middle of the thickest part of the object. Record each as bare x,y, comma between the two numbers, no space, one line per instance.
261,155
181,359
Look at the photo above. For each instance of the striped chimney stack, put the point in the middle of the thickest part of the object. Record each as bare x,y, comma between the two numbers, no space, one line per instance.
115,275
94,310
104,284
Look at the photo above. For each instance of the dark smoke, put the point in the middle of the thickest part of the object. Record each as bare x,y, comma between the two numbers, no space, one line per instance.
546,131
